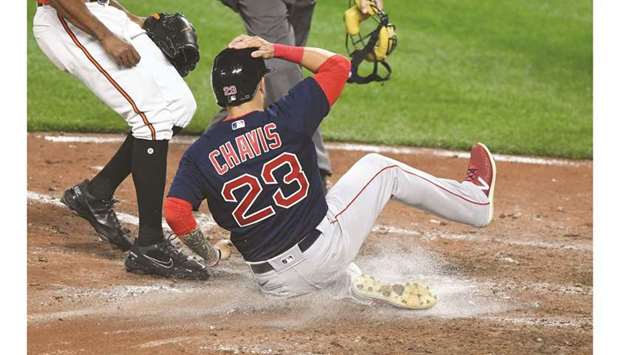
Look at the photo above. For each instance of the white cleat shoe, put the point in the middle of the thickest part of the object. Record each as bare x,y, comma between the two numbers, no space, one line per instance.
410,295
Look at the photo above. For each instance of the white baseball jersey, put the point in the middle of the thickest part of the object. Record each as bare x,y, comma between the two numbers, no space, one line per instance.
151,97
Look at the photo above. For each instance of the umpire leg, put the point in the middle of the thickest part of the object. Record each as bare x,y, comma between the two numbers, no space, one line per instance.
300,17
285,22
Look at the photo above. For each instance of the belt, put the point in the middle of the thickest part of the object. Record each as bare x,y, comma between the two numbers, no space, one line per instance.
303,245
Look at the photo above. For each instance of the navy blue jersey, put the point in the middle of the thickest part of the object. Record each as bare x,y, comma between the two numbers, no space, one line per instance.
259,173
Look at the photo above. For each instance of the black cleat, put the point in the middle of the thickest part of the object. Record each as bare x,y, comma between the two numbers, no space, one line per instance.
98,213
164,259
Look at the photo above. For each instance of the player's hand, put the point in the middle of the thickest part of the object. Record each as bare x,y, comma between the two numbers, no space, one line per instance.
120,50
265,48
225,247
365,5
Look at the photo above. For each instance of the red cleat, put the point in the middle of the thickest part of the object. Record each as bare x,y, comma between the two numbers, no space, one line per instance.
481,171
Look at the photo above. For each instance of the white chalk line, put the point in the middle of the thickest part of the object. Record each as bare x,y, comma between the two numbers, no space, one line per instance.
130,293
480,238
552,322
169,341
452,154
544,321
368,148
207,221
55,201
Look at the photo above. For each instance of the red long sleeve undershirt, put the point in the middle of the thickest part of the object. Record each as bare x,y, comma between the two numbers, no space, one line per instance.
331,75
178,214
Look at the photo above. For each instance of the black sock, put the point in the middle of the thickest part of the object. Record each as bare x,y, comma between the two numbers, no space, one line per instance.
103,185
148,170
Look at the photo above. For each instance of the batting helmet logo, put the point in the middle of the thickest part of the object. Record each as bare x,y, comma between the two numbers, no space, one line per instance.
230,90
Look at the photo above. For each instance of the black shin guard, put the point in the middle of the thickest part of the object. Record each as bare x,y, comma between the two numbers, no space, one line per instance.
103,185
149,177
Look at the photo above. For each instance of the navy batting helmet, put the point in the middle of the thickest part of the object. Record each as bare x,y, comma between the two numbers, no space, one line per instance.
235,76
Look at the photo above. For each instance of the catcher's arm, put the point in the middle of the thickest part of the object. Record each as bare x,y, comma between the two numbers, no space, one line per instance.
78,14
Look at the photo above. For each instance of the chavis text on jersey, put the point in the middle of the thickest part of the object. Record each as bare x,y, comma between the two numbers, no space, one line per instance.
244,147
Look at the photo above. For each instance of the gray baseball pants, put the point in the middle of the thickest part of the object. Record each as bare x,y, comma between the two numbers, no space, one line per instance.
354,203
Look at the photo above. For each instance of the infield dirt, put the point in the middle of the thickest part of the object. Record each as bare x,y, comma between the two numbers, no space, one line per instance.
522,285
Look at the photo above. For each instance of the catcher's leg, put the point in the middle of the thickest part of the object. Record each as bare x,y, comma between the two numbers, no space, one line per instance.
137,94
300,17
103,185
149,176
90,200
177,95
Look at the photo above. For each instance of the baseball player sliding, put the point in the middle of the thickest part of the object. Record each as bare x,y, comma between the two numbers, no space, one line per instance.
258,171
105,47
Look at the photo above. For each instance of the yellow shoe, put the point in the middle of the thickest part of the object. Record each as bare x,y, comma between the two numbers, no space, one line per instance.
410,295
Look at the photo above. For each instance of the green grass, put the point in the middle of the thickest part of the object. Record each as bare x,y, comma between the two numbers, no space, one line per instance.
516,75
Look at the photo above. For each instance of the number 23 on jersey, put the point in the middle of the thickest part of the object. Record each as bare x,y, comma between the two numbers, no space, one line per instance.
295,176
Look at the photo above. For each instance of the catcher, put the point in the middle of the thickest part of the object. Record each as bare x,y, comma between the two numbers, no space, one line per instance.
258,171
106,47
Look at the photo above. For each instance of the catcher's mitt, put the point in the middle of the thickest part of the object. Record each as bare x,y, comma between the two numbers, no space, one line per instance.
176,37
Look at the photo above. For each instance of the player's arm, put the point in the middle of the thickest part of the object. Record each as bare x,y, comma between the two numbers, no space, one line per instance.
331,70
178,214
185,194
77,13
